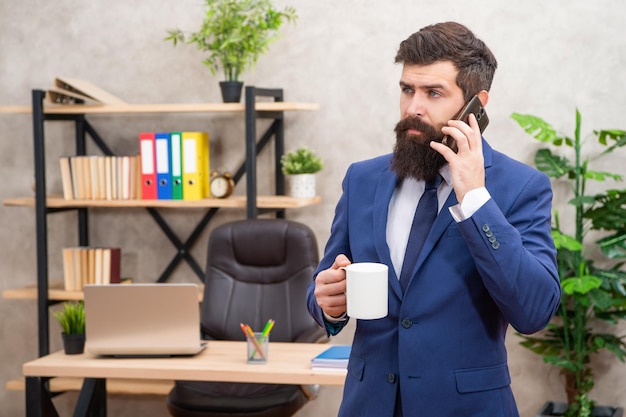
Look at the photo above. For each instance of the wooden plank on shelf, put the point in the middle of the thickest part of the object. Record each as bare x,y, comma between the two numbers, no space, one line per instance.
57,293
15,109
114,386
264,201
262,106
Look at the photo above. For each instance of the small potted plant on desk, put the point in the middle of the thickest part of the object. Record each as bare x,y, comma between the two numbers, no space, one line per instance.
235,33
72,321
593,289
300,167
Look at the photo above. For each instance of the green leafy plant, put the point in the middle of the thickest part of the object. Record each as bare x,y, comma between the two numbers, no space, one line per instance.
593,282
235,33
301,161
71,318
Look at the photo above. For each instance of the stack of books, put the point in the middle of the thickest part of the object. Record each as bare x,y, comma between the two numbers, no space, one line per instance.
100,177
335,357
90,265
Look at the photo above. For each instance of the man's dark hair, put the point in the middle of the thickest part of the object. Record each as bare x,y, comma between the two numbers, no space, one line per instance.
451,41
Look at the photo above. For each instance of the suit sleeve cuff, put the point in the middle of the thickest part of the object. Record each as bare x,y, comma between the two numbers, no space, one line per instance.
334,324
472,201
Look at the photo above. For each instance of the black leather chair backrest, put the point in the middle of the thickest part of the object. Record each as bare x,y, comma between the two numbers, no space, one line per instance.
255,268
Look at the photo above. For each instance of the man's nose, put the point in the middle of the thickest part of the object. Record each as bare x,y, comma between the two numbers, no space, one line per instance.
415,107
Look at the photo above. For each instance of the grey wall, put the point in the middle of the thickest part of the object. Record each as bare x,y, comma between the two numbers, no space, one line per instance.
554,56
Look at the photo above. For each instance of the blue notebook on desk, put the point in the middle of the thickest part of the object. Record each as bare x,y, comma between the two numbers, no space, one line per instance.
335,357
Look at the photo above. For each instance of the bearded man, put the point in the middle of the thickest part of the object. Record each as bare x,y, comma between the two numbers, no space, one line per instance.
484,261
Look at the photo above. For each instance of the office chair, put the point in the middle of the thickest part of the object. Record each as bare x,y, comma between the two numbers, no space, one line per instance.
257,269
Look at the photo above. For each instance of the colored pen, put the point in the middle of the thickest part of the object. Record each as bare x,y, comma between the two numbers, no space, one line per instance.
268,328
250,334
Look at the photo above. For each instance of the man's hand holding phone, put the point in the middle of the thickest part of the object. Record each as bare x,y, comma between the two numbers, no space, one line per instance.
475,107
466,160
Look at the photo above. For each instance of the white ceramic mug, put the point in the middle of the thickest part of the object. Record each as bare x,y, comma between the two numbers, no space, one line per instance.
366,290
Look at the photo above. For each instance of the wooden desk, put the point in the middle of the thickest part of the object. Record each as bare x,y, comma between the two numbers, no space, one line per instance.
289,363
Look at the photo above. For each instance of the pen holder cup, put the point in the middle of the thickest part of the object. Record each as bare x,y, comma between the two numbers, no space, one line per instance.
258,348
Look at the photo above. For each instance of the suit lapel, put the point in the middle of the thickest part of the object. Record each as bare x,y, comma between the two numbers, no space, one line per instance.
444,219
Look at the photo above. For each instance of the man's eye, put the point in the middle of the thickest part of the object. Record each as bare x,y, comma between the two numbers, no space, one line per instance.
435,94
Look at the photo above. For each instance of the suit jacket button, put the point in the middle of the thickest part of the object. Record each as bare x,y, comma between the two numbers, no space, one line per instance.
406,323
495,245
391,377
492,239
486,228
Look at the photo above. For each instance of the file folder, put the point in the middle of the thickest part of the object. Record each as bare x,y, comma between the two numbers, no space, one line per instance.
77,88
195,165
177,165
148,162
163,166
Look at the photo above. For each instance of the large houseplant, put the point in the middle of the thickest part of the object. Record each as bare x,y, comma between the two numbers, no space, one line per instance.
593,281
235,33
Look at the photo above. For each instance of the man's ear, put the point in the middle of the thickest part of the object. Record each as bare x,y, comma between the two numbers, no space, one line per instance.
483,96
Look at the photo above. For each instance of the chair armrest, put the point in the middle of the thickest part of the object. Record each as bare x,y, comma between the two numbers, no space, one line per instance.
314,334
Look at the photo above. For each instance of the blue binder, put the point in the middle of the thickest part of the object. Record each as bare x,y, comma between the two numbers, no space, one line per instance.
163,166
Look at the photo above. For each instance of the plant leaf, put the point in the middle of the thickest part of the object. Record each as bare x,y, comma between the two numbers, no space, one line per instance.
614,246
537,128
619,136
552,165
563,241
580,285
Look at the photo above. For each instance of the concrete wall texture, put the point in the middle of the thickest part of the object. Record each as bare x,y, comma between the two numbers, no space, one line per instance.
554,56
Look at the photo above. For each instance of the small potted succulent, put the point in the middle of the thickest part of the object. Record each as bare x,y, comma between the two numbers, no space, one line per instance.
72,321
300,166
235,33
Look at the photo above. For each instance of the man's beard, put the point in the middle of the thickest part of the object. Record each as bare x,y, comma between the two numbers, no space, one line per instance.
412,155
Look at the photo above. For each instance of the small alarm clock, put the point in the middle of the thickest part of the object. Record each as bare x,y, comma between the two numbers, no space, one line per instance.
222,184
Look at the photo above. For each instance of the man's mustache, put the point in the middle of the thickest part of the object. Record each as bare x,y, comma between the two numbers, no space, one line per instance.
416,123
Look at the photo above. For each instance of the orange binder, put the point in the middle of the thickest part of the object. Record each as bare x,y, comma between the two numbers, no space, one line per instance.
148,166
195,165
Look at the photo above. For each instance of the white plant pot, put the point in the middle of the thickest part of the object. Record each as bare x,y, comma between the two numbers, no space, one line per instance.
301,185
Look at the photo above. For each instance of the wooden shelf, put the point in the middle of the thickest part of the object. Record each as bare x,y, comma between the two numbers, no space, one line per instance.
266,202
57,293
260,106
114,386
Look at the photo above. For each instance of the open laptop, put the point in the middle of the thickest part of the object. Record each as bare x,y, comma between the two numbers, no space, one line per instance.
142,319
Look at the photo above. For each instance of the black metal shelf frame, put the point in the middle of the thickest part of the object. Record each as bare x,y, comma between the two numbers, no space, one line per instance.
183,248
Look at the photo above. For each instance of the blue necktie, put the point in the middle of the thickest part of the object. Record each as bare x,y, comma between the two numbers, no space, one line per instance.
423,220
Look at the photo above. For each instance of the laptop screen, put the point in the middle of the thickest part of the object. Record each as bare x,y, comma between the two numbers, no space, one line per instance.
142,319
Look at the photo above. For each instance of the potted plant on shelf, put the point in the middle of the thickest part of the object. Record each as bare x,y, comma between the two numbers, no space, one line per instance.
72,321
235,33
300,166
593,281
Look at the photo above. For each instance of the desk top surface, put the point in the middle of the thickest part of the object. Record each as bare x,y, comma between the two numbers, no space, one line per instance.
288,363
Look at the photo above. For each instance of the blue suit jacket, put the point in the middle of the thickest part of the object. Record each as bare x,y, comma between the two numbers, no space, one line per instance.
442,342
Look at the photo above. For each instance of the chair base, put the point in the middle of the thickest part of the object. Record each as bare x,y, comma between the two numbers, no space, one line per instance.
218,399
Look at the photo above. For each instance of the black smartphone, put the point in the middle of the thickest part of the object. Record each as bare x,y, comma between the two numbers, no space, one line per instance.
475,107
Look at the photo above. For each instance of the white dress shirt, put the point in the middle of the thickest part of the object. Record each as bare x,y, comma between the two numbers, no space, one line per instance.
403,204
